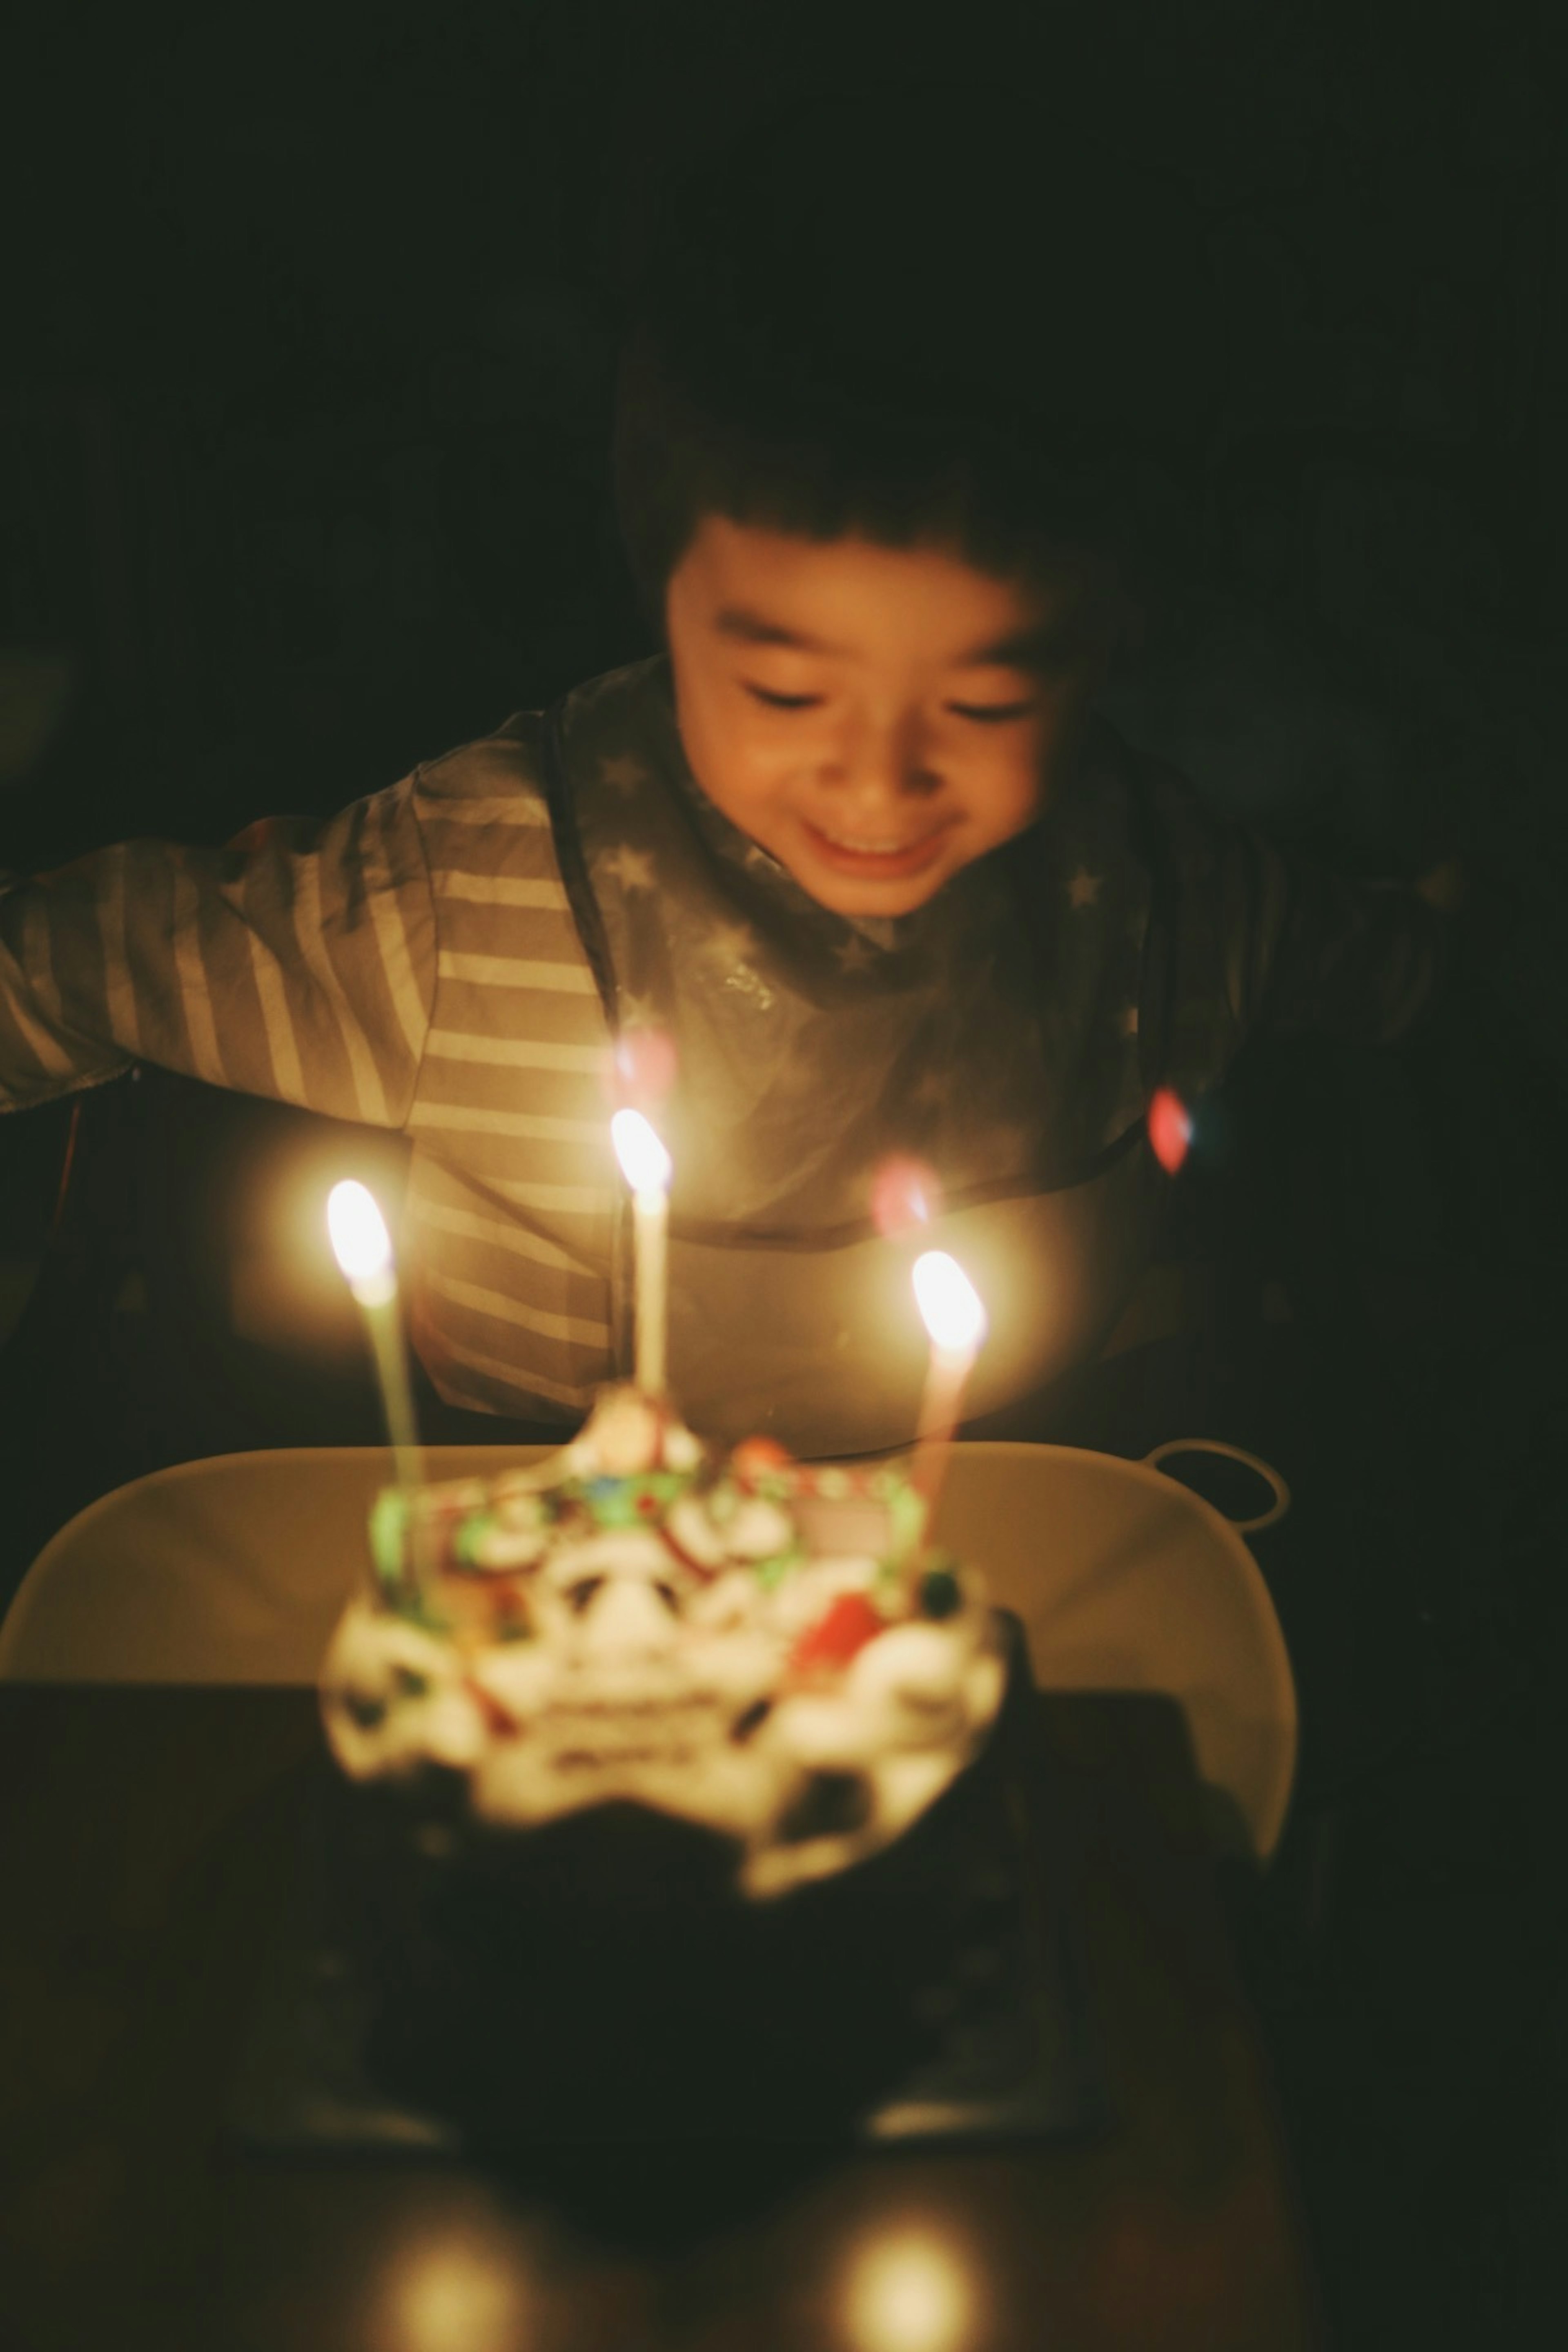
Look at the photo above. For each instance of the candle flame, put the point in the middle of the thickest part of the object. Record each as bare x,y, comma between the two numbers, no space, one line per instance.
645,1162
359,1240
950,1305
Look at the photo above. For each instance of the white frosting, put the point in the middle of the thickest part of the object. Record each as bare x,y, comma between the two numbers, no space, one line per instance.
634,1624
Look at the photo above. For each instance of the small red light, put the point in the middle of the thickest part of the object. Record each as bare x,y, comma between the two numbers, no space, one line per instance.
904,1194
1170,1129
643,1068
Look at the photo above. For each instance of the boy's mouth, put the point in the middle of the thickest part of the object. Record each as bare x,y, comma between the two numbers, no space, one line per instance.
889,859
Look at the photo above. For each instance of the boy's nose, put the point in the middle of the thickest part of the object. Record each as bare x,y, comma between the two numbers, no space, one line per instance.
882,771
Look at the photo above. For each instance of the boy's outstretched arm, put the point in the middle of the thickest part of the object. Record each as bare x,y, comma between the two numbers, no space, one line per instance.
297,961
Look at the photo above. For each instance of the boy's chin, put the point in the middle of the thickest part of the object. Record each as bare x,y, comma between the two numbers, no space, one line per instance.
867,904
865,898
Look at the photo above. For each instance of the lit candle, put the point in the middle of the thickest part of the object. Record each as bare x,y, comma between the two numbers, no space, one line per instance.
645,1165
363,1250
954,1316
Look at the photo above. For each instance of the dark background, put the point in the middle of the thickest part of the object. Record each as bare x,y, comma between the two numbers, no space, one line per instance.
304,398
303,420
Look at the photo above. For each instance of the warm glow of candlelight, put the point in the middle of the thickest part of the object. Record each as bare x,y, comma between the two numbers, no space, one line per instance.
362,1247
912,2292
955,1321
645,1165
361,1242
950,1305
645,1162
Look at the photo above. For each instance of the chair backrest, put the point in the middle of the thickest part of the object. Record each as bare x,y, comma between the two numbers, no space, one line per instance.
183,1301
1126,1581
232,1569
235,1571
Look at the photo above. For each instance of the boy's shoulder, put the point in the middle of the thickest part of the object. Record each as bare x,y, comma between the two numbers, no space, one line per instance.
511,762
624,717
506,762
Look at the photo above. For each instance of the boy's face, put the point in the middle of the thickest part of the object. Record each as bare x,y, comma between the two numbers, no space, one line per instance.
875,717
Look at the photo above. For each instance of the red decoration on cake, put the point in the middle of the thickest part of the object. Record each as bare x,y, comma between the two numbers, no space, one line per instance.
834,1639
755,1456
705,1571
499,1723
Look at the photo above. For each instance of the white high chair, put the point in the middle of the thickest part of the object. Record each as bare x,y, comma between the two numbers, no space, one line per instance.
233,1569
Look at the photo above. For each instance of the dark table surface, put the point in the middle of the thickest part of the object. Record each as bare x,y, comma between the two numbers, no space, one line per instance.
144,1839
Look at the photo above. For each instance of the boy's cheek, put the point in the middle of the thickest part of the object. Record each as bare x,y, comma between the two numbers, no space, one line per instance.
746,780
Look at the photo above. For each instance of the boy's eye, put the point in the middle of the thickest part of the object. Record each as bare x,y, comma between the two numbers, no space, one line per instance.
994,714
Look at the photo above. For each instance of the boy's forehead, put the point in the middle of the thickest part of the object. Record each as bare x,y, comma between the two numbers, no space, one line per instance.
755,585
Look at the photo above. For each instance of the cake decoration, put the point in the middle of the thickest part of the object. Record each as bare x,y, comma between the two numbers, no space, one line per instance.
742,1643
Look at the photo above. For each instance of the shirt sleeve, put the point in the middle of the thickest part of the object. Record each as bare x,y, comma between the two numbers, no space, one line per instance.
1251,939
297,963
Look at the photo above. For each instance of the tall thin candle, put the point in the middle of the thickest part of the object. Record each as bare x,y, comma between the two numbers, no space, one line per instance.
363,1248
955,1317
645,1165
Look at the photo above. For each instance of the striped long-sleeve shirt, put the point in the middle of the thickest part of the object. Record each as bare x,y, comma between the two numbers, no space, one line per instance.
410,963
416,963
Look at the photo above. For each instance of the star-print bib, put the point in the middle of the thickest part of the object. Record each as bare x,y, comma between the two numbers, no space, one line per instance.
992,1036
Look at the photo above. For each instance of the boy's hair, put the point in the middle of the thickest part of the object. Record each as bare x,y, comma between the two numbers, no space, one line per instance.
894,318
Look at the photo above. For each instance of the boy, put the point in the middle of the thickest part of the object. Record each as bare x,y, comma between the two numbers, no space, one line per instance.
856,841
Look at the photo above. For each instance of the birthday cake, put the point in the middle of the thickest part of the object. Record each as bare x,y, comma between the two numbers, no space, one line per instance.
762,1651
676,1739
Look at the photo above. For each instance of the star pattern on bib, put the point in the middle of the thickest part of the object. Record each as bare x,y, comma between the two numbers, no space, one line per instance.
734,945
622,774
853,954
1084,888
632,868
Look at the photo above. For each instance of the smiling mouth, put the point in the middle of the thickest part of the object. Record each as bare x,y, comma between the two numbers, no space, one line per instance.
892,857
871,848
